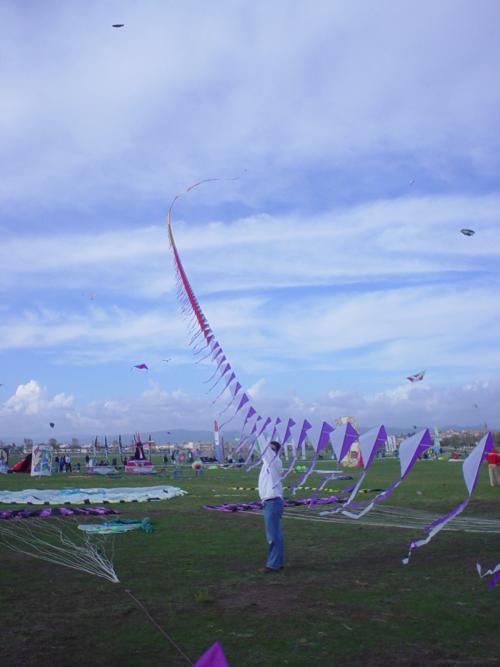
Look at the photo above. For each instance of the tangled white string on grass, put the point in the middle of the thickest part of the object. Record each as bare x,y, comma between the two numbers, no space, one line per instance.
53,540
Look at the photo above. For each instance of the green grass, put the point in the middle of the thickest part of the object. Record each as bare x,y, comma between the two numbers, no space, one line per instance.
343,599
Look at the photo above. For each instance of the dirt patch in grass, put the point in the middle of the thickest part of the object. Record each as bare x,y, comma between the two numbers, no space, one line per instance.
272,596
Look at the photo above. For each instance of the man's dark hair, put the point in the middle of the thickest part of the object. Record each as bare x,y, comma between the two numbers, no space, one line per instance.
275,442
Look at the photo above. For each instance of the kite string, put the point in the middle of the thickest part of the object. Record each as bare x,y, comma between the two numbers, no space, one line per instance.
158,626
88,558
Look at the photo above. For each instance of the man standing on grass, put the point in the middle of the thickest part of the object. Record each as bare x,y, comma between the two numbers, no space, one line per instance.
271,494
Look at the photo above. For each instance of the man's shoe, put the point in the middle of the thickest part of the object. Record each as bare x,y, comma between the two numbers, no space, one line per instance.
267,570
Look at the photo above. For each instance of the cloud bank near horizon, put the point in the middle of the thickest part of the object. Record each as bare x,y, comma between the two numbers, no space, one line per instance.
403,406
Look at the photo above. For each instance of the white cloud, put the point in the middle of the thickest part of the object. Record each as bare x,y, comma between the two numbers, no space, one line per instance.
423,405
32,398
321,259
96,112
256,390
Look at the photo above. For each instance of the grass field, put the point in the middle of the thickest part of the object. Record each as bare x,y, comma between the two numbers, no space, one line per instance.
344,597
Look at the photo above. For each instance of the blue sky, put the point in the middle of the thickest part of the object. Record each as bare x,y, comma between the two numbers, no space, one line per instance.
365,137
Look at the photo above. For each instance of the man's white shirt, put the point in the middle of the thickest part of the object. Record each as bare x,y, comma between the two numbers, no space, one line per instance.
270,485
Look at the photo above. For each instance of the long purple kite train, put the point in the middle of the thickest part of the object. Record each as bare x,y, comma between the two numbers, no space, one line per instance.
207,347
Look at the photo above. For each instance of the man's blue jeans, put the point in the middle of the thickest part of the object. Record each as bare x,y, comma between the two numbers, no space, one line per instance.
273,509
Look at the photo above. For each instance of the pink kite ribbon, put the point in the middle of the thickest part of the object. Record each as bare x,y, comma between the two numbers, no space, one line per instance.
470,470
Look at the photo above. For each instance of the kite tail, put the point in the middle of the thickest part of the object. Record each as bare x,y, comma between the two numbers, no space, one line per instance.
227,368
495,571
244,441
303,479
492,582
353,490
316,492
291,466
187,289
226,386
230,404
259,460
251,450
434,528
232,416
375,501
219,364
199,361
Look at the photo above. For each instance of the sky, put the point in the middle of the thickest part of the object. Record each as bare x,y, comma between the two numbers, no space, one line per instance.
355,140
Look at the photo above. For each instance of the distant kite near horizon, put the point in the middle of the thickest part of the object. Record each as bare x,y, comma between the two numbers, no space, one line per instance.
141,367
167,360
417,377
118,25
468,232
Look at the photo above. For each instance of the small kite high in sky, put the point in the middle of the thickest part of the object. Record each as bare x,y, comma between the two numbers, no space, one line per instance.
51,424
417,377
141,367
468,232
118,25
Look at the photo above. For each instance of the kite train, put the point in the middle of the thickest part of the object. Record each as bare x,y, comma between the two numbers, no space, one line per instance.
340,438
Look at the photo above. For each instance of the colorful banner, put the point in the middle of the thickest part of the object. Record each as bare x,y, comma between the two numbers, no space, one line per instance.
41,461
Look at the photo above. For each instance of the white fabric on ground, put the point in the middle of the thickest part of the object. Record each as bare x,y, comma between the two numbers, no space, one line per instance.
94,496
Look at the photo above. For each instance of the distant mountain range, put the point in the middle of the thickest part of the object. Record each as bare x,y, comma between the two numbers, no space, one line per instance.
175,436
